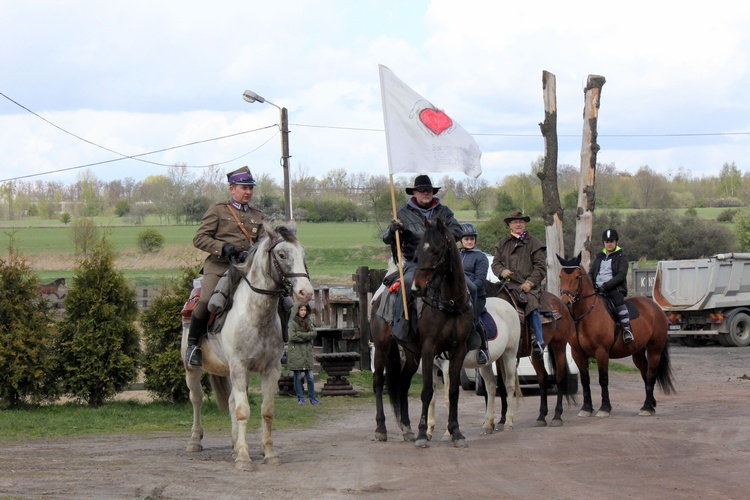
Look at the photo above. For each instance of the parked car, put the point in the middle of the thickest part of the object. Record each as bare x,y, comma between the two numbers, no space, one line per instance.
471,381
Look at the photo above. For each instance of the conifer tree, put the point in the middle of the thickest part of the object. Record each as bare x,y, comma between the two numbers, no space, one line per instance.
99,341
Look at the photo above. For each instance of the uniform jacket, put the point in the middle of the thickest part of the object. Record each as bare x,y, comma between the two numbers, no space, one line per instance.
300,349
620,265
413,221
527,260
218,226
475,267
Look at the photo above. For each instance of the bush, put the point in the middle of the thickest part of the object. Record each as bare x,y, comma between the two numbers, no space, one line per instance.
162,334
28,357
150,241
122,208
99,343
727,215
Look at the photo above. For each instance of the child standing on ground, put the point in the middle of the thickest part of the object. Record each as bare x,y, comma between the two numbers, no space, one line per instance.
300,352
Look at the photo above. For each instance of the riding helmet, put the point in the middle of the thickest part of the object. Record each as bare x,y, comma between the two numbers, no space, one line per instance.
610,234
468,229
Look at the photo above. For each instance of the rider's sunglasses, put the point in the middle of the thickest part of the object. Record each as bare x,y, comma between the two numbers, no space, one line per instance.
423,191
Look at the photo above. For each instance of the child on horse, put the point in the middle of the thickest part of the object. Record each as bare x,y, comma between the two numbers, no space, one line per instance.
609,273
475,268
300,352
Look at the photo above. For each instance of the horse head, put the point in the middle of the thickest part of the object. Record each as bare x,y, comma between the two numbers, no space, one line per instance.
282,257
574,282
437,257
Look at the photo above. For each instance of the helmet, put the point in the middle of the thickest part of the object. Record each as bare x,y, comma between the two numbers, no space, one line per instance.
468,229
610,234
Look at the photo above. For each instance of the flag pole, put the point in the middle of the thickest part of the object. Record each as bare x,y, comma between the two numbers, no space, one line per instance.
398,249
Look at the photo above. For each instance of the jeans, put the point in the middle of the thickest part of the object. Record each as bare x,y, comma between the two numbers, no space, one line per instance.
298,383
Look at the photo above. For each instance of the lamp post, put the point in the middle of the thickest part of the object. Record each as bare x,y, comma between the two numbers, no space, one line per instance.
251,97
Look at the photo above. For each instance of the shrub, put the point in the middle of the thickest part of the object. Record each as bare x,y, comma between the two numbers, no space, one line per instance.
150,241
727,215
99,343
28,357
162,334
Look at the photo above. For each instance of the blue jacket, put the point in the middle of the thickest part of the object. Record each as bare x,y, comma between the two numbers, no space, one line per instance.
476,267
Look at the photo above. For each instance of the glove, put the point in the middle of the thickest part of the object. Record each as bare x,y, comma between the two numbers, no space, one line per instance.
396,225
505,274
604,288
230,250
527,286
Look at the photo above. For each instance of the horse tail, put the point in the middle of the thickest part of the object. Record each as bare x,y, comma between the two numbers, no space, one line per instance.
222,388
393,378
664,373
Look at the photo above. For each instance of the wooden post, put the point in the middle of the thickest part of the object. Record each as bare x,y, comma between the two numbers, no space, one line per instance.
589,150
553,212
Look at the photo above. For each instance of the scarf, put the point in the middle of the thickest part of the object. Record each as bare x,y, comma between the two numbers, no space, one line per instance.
519,237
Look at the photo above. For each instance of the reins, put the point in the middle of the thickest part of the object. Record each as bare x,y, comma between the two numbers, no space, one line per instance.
283,278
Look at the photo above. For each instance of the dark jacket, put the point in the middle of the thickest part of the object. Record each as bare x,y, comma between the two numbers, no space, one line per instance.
413,220
300,348
619,270
475,268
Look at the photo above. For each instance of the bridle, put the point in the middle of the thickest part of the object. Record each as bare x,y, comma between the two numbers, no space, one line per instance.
577,297
281,279
431,296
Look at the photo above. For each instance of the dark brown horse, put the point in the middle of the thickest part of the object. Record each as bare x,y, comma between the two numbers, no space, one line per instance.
598,336
444,326
557,331
52,288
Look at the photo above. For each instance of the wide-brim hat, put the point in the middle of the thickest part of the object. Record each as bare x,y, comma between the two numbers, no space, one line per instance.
422,182
517,216
241,176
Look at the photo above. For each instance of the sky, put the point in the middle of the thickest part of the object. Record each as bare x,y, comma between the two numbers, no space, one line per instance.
85,83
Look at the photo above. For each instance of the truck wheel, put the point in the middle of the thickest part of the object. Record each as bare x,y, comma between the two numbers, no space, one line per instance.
739,330
724,339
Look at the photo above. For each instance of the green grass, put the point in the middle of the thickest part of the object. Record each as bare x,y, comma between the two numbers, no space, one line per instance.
614,366
120,417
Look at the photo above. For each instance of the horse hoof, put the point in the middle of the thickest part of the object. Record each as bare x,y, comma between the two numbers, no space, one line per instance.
245,465
487,430
273,460
460,443
500,428
556,423
647,413
507,427
194,447
421,443
602,414
584,413
409,436
381,436
540,423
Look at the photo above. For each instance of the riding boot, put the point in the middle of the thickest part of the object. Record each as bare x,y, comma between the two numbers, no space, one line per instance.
193,354
537,338
627,332
482,354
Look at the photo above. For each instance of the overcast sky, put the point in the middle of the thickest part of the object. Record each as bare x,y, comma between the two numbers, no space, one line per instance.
140,76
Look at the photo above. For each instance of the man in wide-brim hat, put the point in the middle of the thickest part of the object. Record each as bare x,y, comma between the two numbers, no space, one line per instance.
520,259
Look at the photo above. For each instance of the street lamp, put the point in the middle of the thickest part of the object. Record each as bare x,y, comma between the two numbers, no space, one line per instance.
251,97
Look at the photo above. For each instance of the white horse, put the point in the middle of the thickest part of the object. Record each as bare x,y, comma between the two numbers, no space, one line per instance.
251,341
502,349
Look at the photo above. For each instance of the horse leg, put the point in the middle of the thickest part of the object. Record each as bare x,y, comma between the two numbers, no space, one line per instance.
602,363
541,378
426,397
490,383
455,365
268,385
410,368
649,405
582,362
506,368
378,381
561,374
193,380
238,376
431,410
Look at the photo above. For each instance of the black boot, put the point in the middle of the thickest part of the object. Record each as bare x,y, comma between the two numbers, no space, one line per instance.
198,327
482,354
627,333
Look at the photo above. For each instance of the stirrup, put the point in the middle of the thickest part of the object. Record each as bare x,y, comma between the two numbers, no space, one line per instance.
482,358
194,356
627,335
537,351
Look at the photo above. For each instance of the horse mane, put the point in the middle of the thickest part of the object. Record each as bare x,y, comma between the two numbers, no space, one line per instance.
289,234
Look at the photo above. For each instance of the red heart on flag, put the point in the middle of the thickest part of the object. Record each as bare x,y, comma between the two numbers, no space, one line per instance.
435,120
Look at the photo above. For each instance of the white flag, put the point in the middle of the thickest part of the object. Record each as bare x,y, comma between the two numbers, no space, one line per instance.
420,137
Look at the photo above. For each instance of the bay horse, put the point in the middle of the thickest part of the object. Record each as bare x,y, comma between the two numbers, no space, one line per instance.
596,336
444,326
502,349
251,341
52,288
557,334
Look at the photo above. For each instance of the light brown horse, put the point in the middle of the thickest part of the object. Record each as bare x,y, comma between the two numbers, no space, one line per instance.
52,288
598,336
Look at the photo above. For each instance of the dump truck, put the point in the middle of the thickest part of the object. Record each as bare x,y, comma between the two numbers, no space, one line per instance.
706,299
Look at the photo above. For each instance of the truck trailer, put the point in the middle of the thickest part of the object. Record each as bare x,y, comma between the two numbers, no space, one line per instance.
706,299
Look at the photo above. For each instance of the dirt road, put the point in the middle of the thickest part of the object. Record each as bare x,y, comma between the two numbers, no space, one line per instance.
697,446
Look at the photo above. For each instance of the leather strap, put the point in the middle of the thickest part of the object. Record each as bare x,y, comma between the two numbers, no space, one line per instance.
240,224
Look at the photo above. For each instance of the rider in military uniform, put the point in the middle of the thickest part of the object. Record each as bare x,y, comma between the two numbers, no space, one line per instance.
227,230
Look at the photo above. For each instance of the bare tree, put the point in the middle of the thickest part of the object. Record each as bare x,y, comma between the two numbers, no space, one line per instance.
476,192
83,234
